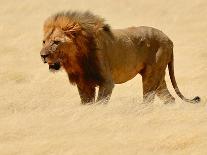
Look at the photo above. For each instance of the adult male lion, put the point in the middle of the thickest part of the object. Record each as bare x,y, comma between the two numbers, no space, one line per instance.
95,55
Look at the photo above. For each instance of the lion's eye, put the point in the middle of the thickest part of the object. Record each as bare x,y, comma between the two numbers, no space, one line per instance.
43,41
56,42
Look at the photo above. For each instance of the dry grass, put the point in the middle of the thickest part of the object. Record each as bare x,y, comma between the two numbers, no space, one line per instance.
40,112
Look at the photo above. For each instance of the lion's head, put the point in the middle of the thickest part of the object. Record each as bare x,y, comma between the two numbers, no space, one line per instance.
58,43
70,41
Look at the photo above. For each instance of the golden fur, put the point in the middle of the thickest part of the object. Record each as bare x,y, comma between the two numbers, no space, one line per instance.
95,55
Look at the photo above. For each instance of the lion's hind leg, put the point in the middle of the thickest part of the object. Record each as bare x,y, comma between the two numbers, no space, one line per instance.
154,83
149,84
163,93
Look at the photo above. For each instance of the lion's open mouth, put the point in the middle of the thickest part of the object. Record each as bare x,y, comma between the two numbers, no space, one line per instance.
55,66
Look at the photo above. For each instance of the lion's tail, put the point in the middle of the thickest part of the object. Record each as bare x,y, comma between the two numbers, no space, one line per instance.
175,86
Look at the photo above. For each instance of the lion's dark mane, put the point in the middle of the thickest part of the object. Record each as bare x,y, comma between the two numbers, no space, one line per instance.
89,62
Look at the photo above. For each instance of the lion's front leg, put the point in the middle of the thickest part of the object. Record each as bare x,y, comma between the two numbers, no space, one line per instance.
87,94
105,91
106,86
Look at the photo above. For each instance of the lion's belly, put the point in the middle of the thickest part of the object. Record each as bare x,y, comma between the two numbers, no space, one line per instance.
125,64
125,73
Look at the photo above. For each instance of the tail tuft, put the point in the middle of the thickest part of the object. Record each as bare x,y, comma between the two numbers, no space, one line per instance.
197,99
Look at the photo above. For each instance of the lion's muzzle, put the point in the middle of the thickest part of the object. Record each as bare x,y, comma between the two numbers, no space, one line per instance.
44,57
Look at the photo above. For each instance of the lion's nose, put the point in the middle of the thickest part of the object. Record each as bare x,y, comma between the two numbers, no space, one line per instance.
44,56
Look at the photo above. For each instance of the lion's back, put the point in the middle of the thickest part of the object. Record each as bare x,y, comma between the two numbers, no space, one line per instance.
141,33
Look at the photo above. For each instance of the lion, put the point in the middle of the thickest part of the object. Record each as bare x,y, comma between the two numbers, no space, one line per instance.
94,55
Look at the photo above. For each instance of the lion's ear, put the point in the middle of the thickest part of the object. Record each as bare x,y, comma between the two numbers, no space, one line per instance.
73,30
